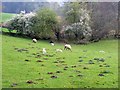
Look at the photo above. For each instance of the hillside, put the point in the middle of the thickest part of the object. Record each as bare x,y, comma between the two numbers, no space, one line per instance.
6,16
24,65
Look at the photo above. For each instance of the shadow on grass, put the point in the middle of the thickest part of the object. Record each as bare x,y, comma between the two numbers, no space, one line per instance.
14,34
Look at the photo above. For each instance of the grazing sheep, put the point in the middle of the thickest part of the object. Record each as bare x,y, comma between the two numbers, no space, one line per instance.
102,51
22,12
59,50
52,43
34,40
67,47
44,51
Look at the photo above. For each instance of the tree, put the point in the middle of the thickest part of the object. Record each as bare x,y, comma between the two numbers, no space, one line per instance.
78,19
104,18
21,23
45,23
72,12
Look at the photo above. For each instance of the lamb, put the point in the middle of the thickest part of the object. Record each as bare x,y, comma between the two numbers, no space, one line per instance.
44,51
34,40
67,47
59,50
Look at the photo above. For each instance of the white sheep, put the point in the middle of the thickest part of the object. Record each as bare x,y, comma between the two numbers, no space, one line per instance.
52,44
34,40
44,51
102,51
22,12
67,47
59,50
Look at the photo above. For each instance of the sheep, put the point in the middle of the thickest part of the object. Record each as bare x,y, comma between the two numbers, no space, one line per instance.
59,50
44,51
22,12
34,40
67,46
102,51
52,43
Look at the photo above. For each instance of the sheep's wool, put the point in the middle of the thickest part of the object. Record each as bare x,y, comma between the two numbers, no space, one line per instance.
58,50
52,44
44,51
67,45
34,40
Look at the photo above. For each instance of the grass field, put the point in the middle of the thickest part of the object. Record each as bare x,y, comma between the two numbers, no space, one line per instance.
20,64
6,16
24,65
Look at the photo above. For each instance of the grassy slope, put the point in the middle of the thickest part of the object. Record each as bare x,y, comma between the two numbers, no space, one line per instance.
17,70
6,16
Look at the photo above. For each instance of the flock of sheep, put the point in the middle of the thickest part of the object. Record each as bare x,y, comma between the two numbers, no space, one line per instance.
66,47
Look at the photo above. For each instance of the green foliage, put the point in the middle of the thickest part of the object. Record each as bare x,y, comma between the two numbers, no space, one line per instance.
39,24
78,19
72,10
45,22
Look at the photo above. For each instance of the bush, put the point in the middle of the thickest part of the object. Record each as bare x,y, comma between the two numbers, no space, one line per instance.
37,25
21,23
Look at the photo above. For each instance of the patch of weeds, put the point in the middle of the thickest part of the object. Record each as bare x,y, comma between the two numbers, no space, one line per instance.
77,71
80,75
84,50
42,65
39,61
50,55
100,65
50,73
27,60
71,76
21,50
55,62
58,71
73,66
90,62
38,56
64,68
29,82
13,84
99,59
80,60
59,61
54,77
107,65
85,68
100,74
45,58
106,72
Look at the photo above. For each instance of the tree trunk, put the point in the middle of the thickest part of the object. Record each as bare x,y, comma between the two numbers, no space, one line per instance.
57,35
